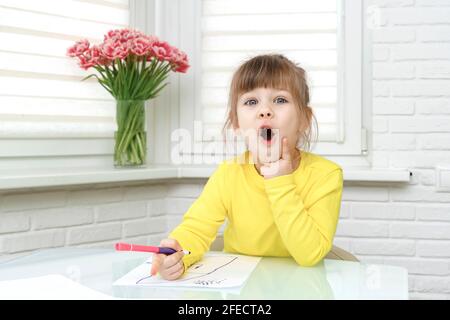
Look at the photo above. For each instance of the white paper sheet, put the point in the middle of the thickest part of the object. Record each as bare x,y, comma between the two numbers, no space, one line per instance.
213,271
48,287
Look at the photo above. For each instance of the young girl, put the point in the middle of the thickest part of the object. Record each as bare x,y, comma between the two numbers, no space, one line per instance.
278,199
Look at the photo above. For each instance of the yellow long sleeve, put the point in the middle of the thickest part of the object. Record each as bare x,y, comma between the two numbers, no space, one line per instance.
203,219
292,215
306,231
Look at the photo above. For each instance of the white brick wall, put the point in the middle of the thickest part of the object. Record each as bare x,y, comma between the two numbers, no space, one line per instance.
92,217
411,129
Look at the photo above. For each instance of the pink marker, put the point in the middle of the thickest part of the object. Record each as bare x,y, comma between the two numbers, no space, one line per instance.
136,247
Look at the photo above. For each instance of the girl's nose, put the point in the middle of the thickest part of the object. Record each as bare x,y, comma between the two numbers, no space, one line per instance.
265,114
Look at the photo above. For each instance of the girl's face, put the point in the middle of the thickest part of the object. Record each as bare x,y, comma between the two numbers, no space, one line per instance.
265,116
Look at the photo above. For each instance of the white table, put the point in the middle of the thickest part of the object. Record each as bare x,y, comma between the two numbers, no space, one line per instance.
273,278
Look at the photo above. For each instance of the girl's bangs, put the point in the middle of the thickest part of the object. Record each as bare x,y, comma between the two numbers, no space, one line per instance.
266,75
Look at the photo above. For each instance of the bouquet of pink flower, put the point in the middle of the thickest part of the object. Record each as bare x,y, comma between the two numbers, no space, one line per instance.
133,68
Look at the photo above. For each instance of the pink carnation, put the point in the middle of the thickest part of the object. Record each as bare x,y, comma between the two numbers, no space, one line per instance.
179,61
161,50
151,39
182,67
120,43
90,58
112,34
78,48
113,49
140,46
124,35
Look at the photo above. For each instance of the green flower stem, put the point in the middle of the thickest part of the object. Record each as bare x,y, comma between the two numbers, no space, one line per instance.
134,152
131,82
130,145
131,123
140,144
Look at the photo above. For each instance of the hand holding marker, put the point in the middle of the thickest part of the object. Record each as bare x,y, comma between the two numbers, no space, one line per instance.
136,247
167,258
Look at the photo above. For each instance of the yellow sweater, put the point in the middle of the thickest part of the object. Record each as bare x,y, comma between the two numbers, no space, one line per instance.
291,215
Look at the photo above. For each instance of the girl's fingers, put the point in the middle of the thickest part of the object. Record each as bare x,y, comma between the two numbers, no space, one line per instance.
174,269
156,262
176,274
270,169
171,243
173,259
171,264
264,170
285,154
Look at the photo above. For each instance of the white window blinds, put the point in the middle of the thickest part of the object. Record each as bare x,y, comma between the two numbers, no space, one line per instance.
48,116
305,31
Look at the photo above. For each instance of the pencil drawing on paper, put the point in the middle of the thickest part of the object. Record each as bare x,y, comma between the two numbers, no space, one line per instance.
207,267
212,271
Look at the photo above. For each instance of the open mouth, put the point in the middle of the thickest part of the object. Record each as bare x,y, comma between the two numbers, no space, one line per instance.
267,134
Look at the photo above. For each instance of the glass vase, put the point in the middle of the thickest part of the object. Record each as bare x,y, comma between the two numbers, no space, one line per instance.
130,145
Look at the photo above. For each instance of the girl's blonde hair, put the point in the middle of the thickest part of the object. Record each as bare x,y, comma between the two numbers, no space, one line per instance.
278,72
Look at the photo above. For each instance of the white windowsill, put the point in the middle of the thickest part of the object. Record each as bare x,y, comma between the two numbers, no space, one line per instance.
74,176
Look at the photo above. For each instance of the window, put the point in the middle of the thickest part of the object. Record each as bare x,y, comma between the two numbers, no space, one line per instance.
324,37
48,117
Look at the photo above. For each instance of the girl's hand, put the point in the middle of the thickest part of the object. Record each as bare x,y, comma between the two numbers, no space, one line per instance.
281,167
170,267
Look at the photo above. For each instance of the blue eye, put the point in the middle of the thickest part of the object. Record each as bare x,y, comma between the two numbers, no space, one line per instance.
280,100
250,102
